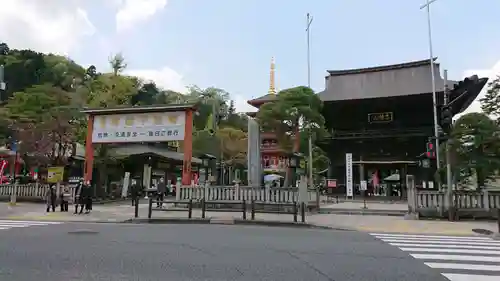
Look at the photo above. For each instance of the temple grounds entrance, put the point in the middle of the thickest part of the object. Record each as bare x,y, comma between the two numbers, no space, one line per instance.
147,124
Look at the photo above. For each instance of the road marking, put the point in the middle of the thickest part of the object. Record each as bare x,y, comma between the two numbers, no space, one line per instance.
455,258
486,243
444,265
9,224
445,246
468,277
464,251
445,253
30,222
430,236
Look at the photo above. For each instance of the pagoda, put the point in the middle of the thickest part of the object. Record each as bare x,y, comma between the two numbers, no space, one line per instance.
273,157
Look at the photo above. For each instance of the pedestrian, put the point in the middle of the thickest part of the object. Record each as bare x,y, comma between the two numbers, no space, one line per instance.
87,199
63,201
79,197
134,191
160,192
51,198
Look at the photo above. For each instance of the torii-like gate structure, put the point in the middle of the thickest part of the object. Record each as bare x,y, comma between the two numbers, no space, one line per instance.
140,124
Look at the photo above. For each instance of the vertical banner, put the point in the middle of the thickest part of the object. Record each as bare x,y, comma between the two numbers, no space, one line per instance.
348,175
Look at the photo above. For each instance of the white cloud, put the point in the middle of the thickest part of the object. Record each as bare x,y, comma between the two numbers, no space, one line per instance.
491,74
46,26
165,78
132,12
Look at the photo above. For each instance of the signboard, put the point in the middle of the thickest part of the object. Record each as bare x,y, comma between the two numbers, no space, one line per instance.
381,117
139,127
348,175
55,174
331,183
363,186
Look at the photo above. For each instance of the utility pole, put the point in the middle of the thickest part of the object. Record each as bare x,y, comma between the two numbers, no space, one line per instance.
2,81
310,162
449,176
434,98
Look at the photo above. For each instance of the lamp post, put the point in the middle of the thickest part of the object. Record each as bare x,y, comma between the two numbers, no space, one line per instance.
434,98
309,139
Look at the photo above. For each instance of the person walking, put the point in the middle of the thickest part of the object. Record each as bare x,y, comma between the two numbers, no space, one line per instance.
79,197
87,199
160,192
51,198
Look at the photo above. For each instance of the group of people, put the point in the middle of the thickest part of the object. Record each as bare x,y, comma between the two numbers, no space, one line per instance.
83,199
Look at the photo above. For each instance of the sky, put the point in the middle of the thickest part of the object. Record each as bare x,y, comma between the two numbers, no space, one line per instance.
229,43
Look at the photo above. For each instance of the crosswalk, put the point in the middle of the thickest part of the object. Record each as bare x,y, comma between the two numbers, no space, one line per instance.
458,258
9,224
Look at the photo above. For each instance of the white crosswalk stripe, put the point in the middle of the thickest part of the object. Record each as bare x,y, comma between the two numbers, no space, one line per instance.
458,258
9,224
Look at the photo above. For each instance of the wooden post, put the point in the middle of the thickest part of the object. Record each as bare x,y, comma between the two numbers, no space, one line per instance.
89,151
188,148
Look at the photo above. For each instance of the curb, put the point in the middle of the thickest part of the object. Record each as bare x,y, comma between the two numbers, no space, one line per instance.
362,212
167,221
231,222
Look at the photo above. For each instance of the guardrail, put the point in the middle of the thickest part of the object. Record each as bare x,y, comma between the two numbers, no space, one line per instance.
237,207
151,209
239,193
31,190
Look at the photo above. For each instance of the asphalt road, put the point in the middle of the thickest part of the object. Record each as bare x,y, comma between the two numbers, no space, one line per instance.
119,252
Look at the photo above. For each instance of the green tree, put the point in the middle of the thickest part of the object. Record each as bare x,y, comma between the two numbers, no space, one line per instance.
40,118
490,103
293,109
475,148
117,63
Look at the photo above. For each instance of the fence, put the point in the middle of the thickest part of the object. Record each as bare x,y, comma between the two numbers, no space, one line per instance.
467,203
31,191
247,193
236,207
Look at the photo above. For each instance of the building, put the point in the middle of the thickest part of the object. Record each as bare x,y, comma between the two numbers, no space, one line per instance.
273,156
384,116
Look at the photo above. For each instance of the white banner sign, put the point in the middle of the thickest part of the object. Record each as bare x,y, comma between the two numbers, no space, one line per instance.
348,175
363,186
139,127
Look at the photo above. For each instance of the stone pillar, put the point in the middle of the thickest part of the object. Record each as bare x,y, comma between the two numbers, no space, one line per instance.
412,198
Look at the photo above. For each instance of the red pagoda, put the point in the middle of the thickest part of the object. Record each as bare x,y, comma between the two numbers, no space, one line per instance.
273,156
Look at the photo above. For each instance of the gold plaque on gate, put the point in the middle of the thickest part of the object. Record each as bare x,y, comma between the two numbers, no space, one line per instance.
157,119
172,118
129,120
102,121
115,120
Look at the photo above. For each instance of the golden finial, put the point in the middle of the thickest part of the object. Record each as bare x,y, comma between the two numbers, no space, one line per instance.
272,85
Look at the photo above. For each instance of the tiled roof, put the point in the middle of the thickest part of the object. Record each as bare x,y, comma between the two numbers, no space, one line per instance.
381,68
266,98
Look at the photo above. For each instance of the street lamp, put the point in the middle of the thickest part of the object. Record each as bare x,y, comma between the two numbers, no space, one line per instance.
434,98
294,163
310,166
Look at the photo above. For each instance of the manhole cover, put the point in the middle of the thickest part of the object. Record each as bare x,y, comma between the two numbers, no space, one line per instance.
83,231
482,231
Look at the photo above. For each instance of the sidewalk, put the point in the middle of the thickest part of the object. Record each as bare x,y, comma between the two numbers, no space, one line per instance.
365,223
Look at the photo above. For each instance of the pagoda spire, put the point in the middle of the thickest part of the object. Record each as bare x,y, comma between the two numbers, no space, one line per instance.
272,82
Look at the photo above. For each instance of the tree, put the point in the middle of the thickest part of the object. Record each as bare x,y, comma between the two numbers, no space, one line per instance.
147,94
117,63
41,122
293,109
4,49
475,148
490,103
234,144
